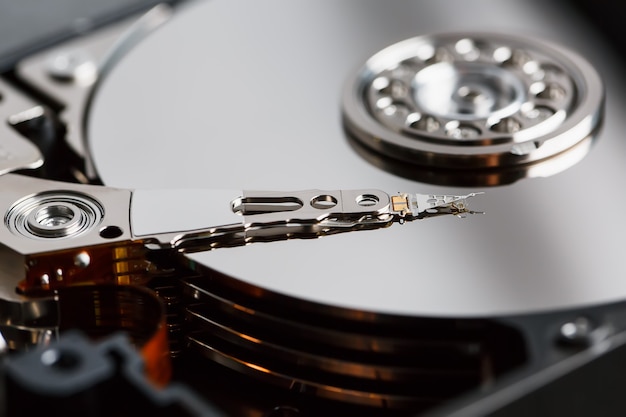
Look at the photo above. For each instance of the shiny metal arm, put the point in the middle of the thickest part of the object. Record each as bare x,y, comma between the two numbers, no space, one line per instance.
44,216
56,235
239,218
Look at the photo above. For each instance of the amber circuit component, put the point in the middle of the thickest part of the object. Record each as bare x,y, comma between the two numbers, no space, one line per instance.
116,263
400,204
100,290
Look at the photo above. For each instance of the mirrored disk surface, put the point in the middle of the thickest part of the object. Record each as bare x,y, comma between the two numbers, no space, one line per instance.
247,95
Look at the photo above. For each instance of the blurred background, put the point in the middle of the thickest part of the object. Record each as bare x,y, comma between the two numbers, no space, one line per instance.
29,25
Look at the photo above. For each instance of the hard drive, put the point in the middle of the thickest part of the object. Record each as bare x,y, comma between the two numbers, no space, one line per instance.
354,134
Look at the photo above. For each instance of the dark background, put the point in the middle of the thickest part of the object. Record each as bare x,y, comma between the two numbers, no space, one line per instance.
608,17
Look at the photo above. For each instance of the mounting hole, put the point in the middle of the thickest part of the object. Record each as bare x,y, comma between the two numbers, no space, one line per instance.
507,125
367,200
457,130
323,202
111,232
422,122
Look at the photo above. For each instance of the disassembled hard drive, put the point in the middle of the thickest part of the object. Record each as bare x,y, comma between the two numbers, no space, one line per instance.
131,147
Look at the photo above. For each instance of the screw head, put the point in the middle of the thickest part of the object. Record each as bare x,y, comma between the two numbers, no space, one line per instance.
73,65
581,332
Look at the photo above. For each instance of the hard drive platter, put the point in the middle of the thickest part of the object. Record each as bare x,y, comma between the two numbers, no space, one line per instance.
297,142
252,96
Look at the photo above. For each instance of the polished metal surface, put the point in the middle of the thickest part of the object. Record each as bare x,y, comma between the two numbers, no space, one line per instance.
230,96
54,215
473,100
235,97
42,216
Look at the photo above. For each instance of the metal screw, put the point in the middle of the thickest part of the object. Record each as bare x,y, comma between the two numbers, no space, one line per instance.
581,332
72,66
